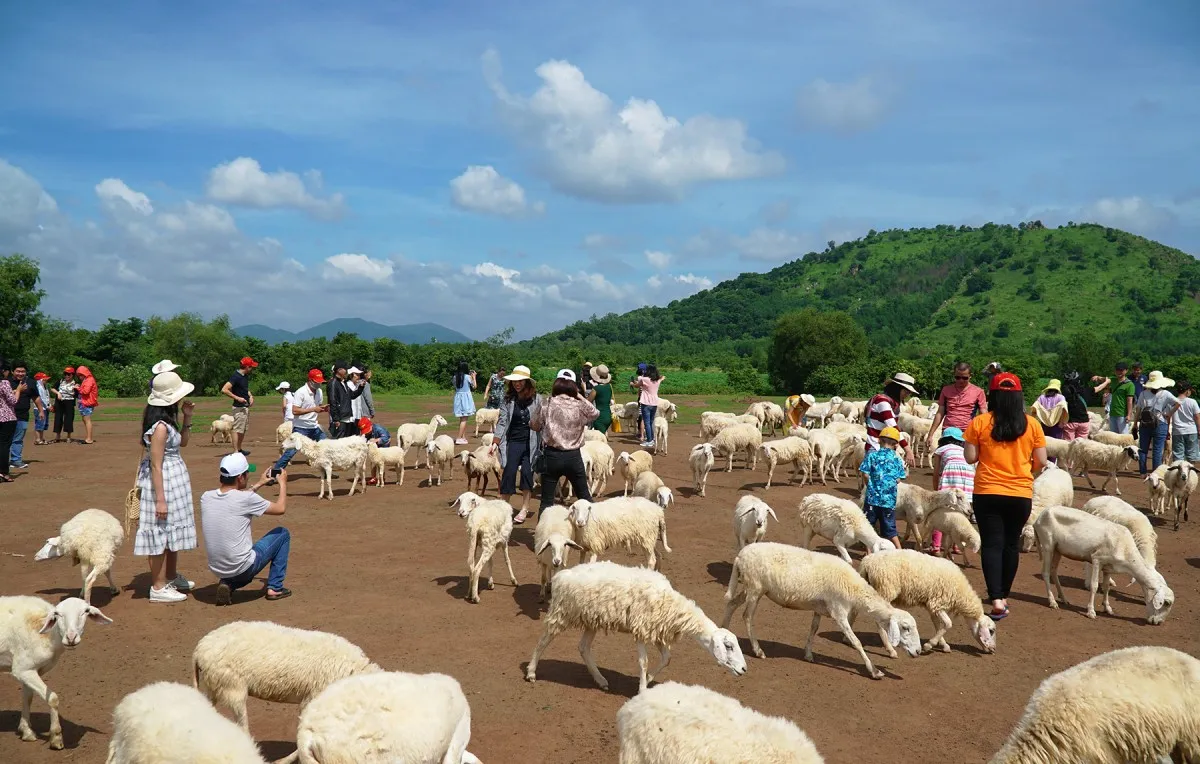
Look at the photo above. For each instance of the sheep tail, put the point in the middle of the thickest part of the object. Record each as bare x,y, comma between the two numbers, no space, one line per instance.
731,592
195,674
662,532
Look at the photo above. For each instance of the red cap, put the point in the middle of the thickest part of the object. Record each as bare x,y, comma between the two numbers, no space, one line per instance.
1006,381
69,370
316,376
41,375
364,426
249,363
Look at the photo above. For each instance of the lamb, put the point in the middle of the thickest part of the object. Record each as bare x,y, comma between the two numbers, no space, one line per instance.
681,724
631,521
439,452
387,717
827,449
1113,438
1053,488
1108,547
840,521
736,438
917,580
487,418
264,660
957,531
797,451
1160,493
667,410
798,579
662,433
629,466
282,431
222,430
489,524
1134,704
1089,455
650,486
380,459
479,465
604,596
750,520
701,461
916,505
33,636
91,539
328,455
1181,480
598,460
166,721
553,540
409,435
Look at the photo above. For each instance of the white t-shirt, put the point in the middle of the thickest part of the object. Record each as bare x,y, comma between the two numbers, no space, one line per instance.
225,521
1159,402
358,406
307,398
287,406
1184,418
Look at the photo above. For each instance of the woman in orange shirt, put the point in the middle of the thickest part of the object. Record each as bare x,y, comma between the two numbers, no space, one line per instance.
1007,446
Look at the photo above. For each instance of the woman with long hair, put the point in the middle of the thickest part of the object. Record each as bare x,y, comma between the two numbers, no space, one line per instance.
517,444
1077,424
601,396
1007,446
167,524
10,393
464,402
64,405
647,385
561,422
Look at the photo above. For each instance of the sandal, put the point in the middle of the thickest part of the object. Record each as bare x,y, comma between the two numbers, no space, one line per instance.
520,518
6,479
998,615
279,595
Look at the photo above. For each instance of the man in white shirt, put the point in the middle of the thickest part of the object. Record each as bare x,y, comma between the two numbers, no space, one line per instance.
225,516
306,404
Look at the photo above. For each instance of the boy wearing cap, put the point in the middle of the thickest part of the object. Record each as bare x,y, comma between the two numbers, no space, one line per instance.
225,516
306,404
883,471
238,388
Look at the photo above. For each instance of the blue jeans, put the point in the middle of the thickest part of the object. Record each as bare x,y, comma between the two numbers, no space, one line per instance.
1147,435
272,548
882,519
1117,424
648,413
315,433
1185,446
18,442
41,422
382,438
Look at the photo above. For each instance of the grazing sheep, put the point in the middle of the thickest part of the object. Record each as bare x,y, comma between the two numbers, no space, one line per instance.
629,466
839,520
604,596
957,531
750,520
827,449
479,465
662,433
409,435
489,525
439,453
744,438
553,540
380,459
487,418
1053,488
713,422
773,417
221,430
1057,448
650,486
91,539
1122,513
169,722
798,579
598,462
387,718
916,505
282,431
33,636
674,723
1113,438
1181,479
791,449
1087,455
701,461
629,521
1108,547
1135,704
334,453
917,580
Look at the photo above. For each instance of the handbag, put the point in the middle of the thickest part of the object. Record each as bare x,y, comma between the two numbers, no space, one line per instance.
133,506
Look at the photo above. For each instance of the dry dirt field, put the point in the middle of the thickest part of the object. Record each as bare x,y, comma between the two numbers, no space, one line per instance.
387,571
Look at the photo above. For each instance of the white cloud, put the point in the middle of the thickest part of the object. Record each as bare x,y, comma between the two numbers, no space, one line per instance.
1131,213
600,242
482,189
655,282
358,266
590,149
772,245
22,200
115,195
658,260
699,282
843,107
198,216
243,182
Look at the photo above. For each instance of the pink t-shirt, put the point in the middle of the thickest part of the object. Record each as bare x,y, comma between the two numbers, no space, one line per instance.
960,405
649,394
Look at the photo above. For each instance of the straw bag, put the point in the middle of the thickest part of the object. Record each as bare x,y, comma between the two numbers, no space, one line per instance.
133,508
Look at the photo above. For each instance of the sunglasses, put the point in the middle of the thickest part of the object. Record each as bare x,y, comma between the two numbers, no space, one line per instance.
962,378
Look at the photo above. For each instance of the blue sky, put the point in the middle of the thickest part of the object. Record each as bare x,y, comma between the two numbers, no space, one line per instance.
484,164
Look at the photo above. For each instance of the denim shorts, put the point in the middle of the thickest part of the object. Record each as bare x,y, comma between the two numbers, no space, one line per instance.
85,410
882,519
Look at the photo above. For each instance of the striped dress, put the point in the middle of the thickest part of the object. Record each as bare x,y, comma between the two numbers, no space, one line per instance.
178,532
956,473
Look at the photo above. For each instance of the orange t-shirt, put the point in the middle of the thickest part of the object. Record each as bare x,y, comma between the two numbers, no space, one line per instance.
1004,468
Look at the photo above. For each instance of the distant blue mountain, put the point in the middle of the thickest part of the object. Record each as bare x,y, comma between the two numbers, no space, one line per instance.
409,334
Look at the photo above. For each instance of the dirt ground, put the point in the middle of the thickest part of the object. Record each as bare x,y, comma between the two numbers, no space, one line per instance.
387,571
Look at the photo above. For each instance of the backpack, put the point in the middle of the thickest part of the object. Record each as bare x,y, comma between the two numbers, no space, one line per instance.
1147,417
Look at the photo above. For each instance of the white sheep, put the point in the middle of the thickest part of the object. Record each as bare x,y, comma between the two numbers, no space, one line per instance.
850,458
1056,448
591,434
957,531
629,466
1121,512
839,520
629,521
628,414
380,459
738,438
667,410
1134,704
268,661
604,596
487,418
169,722
1096,423
827,450
820,413
282,431
553,540
1181,479
770,416
713,422
1160,493
662,433
798,579
387,718
489,526
221,430
439,453
913,579
330,454
1108,547
488,439
599,463
480,465
1112,438
1087,455
793,450
91,539
750,520
650,486
226,417
33,636
1053,488
674,723
416,434
701,460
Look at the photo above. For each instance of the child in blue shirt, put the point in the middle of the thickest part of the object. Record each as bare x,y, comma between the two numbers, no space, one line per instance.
883,470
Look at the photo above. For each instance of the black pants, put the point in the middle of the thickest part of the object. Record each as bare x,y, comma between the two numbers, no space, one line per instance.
1000,519
64,417
517,456
560,464
6,435
342,429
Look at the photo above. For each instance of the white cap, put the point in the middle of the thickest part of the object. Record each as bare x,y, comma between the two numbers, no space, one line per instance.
235,464
566,374
284,385
354,370
163,366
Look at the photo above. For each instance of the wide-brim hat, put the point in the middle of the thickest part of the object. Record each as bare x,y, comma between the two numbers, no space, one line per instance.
808,399
600,375
904,380
168,389
284,385
164,366
1156,381
1054,385
518,373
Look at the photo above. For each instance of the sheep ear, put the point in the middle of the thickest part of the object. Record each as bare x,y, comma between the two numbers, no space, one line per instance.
1158,600
97,616
541,547
574,545
48,624
893,632
772,512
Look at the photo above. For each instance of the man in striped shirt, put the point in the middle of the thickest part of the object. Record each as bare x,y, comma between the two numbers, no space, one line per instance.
883,409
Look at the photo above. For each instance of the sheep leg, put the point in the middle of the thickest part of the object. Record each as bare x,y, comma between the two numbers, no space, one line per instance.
1093,582
457,752
664,658
507,561
23,728
90,573
1050,558
942,623
643,665
729,465
1116,483
806,535
585,651
748,617
327,481
112,585
812,632
1108,582
31,682
552,631
840,543
770,473
852,638
1088,477
545,582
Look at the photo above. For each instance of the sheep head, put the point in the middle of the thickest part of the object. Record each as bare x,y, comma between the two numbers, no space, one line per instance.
984,631
902,631
296,442
438,420
52,549
665,497
558,544
580,512
724,646
1130,453
1159,599
464,457
68,619
466,502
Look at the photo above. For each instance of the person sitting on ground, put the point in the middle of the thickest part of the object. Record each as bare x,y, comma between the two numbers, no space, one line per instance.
225,515
883,471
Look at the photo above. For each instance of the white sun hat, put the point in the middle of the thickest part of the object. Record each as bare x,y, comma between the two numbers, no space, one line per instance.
284,385
164,365
168,389
518,373
1156,381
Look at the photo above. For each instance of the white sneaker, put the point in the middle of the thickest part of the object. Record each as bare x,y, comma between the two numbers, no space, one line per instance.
167,594
182,584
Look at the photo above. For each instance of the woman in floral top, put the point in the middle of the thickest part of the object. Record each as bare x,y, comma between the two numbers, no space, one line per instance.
561,423
495,393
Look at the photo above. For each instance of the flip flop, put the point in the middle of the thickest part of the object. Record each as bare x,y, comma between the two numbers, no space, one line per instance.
279,595
998,615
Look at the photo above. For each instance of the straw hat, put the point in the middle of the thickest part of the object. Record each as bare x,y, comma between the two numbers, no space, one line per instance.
906,381
1156,381
519,372
168,389
600,375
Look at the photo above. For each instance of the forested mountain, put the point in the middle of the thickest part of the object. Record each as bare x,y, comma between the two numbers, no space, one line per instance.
409,334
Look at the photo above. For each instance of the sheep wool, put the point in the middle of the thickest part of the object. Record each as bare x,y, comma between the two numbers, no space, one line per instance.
440,453
650,486
553,540
1087,455
794,450
750,520
487,418
169,722
1053,488
489,526
625,521
630,465
91,539
738,438
380,459
839,520
334,453
701,461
